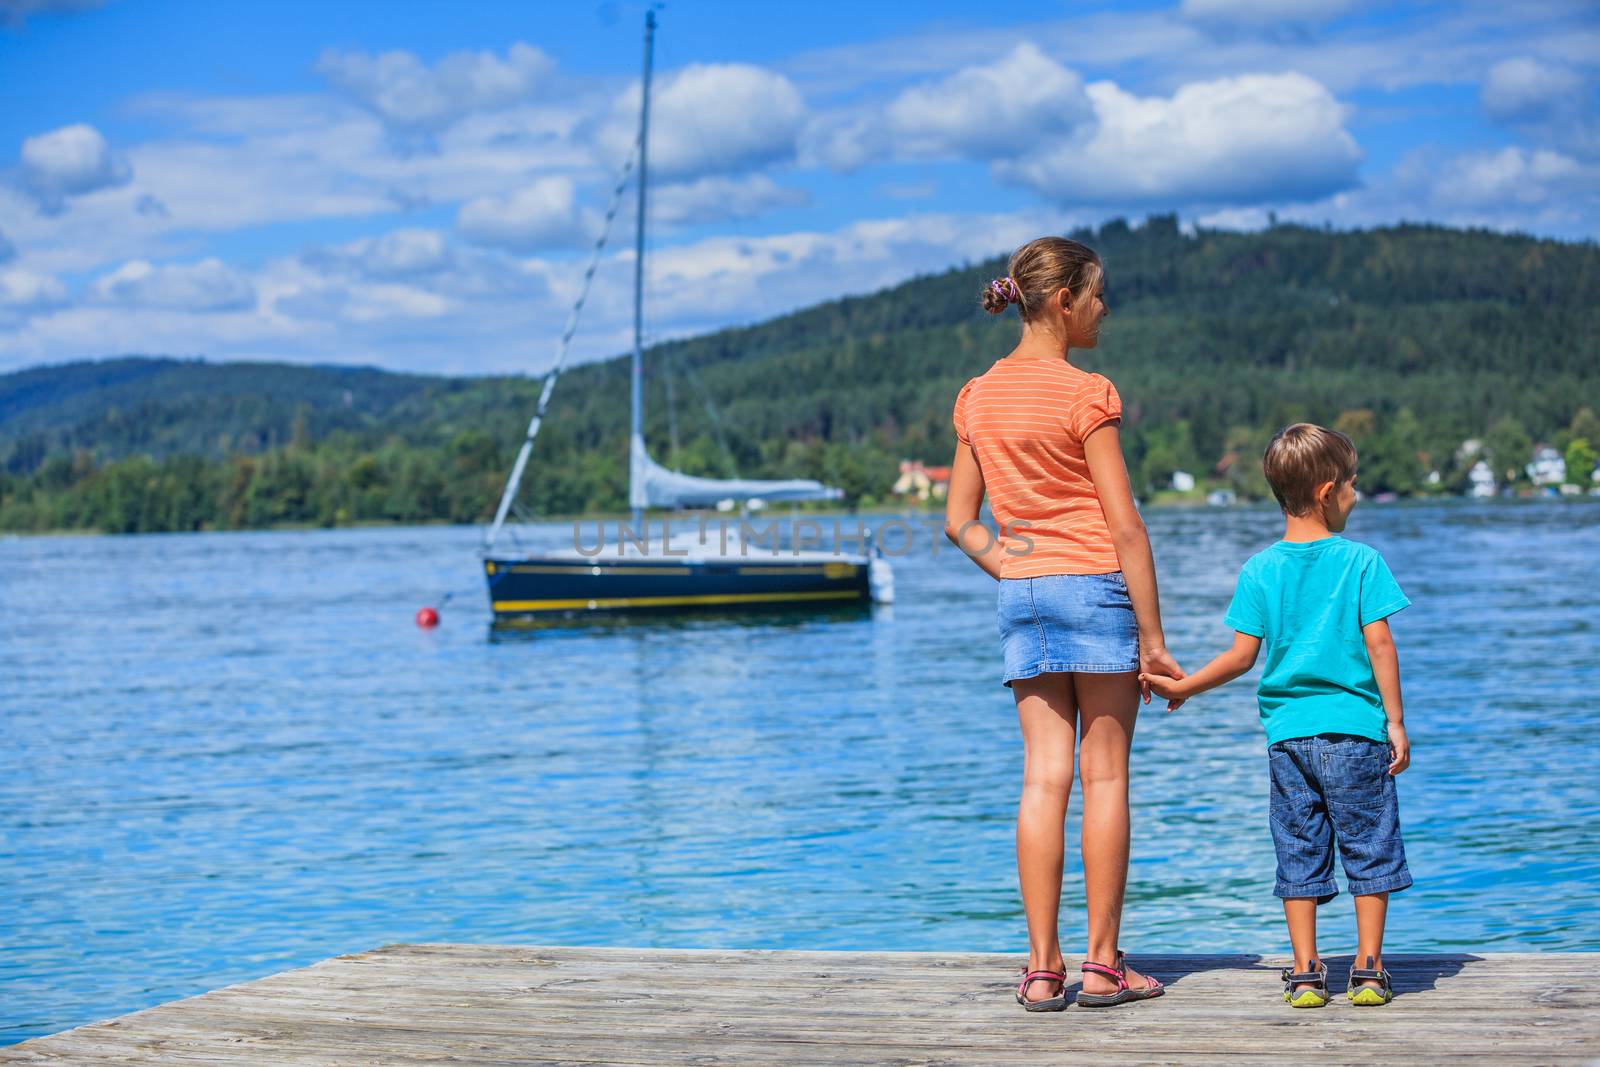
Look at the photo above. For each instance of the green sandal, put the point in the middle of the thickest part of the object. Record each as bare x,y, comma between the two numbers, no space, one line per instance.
1370,996
1316,978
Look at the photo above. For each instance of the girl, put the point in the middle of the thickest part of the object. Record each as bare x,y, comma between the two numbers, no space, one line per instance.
1078,610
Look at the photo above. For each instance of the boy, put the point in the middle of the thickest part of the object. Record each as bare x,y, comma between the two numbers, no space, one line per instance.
1330,701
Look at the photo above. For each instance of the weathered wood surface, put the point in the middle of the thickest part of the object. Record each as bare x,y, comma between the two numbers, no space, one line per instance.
503,1005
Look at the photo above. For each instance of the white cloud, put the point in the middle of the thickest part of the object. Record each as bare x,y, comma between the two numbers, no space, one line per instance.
488,311
70,161
1265,12
183,191
1525,88
847,141
413,99
1511,189
405,252
986,111
208,285
396,254
303,163
28,290
1510,176
1547,103
718,118
363,304
541,214
1158,49
411,273
287,159
725,280
1277,137
1236,218
717,197
1226,141
518,160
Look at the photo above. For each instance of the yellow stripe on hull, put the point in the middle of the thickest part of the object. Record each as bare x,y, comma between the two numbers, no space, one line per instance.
596,603
833,571
598,570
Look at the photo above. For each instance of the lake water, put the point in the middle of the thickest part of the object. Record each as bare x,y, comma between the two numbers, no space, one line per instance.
225,755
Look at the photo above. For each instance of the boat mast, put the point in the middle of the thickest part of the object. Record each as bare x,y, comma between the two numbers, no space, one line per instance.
636,435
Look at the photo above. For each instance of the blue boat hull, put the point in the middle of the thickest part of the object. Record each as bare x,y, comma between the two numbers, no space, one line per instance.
556,586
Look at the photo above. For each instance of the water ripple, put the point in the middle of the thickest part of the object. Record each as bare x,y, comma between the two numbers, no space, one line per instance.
224,755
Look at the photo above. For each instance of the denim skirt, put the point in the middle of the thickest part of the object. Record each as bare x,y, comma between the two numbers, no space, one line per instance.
1067,622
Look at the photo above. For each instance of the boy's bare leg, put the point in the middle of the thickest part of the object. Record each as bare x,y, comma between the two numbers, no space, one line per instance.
1301,915
1371,911
1048,713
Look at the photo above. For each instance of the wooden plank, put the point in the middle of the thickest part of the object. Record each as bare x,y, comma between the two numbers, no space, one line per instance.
500,1004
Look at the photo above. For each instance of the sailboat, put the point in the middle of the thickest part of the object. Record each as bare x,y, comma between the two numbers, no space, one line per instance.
704,567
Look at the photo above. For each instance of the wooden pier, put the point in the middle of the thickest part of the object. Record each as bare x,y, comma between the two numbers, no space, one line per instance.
504,1005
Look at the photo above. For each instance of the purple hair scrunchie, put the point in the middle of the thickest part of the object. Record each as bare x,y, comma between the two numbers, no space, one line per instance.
1007,289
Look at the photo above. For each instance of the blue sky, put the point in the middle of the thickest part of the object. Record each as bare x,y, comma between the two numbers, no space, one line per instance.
414,186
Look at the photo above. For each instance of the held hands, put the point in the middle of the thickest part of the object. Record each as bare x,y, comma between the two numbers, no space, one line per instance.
1160,673
1163,685
1399,748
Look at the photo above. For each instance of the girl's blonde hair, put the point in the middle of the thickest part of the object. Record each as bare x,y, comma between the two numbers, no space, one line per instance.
1038,269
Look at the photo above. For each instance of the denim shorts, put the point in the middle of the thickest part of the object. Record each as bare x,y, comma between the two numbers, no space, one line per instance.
1067,622
1335,786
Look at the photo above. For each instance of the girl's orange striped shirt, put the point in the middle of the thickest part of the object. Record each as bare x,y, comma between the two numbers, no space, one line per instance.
1026,419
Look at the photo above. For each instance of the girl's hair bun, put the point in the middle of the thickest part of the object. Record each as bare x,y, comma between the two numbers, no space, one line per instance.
1001,294
1049,264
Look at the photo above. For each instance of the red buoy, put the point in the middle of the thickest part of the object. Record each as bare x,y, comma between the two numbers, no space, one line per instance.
427,618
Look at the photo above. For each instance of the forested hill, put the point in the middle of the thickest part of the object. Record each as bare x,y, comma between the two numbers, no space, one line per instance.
162,406
1414,338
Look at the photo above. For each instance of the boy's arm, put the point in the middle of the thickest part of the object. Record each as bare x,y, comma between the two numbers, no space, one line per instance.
1386,669
1220,671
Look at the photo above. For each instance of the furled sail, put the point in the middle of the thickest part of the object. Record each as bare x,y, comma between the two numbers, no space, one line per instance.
650,485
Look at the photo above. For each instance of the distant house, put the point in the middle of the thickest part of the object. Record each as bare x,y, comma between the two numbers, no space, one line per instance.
1547,468
1182,481
922,482
1481,480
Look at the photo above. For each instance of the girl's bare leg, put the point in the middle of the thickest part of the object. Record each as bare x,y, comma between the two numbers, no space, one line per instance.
1048,713
1108,705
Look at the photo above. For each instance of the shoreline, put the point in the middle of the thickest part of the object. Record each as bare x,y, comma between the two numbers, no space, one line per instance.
778,512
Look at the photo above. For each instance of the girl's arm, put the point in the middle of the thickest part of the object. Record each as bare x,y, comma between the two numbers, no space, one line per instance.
1103,449
962,502
1220,671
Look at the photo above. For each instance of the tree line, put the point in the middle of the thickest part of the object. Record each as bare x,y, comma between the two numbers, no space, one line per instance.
1416,340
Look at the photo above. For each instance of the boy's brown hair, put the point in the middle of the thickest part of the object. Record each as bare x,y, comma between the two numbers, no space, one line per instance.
1302,457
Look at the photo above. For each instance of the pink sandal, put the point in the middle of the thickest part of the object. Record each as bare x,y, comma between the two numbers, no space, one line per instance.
1124,993
1055,1003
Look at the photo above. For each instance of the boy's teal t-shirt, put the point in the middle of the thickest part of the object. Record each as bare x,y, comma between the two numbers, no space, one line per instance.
1308,601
